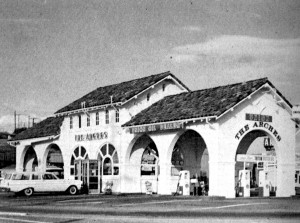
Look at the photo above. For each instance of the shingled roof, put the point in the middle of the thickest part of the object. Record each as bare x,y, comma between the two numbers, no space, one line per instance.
197,104
48,127
121,92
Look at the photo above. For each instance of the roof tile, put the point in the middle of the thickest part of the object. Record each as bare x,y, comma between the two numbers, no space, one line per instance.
48,127
196,104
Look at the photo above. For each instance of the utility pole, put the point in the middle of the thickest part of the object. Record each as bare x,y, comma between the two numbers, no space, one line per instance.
15,117
33,120
18,115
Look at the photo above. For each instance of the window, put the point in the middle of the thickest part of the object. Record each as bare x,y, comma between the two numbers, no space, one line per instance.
36,177
88,120
78,154
149,160
79,121
163,87
97,118
48,177
148,96
107,166
110,160
106,117
117,115
71,122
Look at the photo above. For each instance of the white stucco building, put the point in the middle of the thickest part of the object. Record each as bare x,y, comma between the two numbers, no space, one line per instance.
149,129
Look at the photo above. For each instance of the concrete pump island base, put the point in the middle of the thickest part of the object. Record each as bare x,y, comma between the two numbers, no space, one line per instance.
154,135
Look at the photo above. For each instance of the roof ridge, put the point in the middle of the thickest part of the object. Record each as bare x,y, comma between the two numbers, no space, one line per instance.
123,82
230,84
114,90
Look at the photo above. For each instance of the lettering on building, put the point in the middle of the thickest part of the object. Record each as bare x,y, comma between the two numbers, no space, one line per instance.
257,117
91,136
157,127
264,125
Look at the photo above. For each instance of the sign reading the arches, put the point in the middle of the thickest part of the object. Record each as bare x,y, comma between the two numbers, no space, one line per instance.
263,125
91,136
157,127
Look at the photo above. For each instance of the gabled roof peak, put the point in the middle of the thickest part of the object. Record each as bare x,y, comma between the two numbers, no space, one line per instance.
210,102
120,93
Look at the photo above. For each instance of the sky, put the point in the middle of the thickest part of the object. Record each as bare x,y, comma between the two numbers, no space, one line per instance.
54,51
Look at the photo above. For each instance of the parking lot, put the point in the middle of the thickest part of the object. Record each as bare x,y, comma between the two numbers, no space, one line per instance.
143,208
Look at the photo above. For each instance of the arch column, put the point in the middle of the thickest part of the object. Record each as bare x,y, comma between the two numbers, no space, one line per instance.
286,186
163,143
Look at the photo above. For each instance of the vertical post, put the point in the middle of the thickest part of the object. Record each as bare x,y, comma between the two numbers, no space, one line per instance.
15,118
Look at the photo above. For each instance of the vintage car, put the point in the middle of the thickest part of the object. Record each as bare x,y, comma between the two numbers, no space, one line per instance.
29,183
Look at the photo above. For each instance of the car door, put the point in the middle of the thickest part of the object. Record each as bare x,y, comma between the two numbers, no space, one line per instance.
37,181
51,183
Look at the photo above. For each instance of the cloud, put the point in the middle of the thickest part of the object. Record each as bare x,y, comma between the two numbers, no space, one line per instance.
193,29
240,48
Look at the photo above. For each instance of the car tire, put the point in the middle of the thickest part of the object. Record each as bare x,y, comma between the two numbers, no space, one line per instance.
28,192
72,190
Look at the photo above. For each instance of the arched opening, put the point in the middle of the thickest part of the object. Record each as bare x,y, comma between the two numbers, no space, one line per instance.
255,167
144,159
54,161
109,169
78,166
109,159
30,160
190,154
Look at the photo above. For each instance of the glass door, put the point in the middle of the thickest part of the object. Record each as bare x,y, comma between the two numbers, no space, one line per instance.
81,173
94,176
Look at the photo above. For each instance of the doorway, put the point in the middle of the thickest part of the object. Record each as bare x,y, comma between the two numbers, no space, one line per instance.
90,173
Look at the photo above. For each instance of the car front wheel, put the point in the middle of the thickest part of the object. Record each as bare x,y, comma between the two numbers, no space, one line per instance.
28,192
72,190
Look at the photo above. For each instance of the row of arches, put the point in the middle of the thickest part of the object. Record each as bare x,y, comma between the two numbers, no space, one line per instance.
190,153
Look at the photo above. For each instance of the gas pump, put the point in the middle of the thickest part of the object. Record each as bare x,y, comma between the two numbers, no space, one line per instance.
264,184
184,182
244,179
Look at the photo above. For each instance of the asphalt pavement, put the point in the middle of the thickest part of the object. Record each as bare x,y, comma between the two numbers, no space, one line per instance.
146,208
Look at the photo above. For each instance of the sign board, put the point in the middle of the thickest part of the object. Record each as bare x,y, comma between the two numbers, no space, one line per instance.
296,112
255,158
91,136
258,117
156,127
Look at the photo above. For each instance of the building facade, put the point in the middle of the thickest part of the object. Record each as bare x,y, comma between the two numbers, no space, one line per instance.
147,130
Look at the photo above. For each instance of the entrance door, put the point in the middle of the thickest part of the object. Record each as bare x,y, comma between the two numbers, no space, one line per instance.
89,172
94,176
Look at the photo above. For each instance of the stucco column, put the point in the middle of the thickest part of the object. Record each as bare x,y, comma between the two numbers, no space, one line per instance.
285,180
225,183
164,146
164,179
19,158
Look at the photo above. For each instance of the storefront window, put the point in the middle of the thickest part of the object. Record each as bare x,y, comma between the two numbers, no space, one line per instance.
78,154
110,159
149,161
107,166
